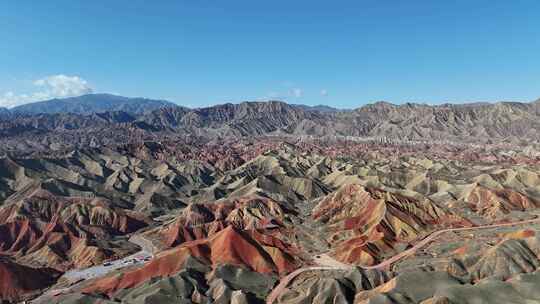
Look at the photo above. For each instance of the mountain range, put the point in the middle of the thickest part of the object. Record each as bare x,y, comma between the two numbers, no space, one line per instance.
115,200
473,123
91,103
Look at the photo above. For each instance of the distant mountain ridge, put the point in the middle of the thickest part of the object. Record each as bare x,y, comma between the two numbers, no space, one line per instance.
4,112
320,108
92,103
475,122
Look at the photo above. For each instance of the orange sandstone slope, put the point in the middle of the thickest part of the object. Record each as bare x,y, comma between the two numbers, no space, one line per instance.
497,202
367,222
54,231
250,249
199,221
18,281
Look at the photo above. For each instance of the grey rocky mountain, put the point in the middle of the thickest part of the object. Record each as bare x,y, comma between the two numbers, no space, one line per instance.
92,103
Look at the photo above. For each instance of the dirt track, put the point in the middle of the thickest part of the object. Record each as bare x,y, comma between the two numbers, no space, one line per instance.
81,275
278,290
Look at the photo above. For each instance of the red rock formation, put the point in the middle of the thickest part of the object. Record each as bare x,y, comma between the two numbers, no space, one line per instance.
367,222
251,249
18,281
199,221
60,232
496,202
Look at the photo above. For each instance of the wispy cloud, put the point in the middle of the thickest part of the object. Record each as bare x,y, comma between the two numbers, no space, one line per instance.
54,86
287,91
297,92
324,92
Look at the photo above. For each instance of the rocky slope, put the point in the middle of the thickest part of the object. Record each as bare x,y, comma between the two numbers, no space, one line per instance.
43,229
227,220
367,221
18,282
472,123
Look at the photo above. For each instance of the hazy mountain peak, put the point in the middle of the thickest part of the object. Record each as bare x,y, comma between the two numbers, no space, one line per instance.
93,103
318,108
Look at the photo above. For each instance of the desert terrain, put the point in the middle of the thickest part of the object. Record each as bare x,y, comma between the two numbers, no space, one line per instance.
267,202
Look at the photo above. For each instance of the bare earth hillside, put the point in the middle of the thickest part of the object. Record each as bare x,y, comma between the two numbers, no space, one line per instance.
272,203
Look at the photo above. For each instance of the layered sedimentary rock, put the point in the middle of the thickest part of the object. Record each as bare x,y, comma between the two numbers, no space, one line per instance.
249,249
199,221
497,202
44,229
483,122
228,220
18,282
368,221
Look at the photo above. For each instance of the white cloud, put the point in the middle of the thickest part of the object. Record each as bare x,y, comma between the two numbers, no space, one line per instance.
55,86
289,92
64,86
324,92
296,92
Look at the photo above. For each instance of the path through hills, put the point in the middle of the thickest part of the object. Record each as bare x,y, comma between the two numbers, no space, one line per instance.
326,262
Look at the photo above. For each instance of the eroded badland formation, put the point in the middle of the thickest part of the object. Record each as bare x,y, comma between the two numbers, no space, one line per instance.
272,203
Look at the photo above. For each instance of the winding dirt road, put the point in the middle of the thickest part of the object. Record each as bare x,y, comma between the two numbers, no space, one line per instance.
278,290
80,276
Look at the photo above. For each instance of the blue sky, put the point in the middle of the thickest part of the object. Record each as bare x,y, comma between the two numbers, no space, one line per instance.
340,53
